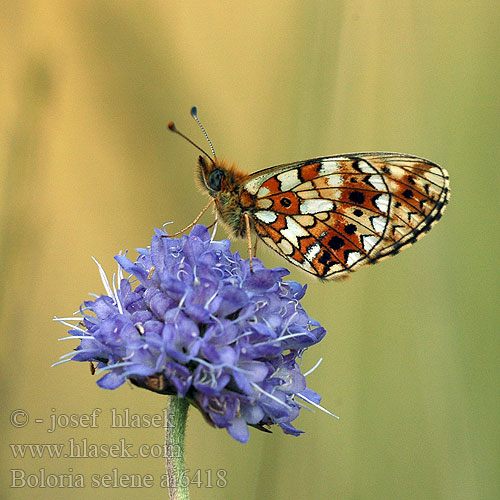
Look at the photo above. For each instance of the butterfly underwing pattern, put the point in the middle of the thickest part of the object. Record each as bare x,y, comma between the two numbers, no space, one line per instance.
332,215
329,215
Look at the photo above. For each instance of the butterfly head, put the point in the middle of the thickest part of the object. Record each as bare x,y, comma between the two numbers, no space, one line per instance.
217,178
211,175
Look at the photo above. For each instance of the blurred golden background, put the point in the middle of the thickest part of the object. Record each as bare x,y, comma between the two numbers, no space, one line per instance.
88,167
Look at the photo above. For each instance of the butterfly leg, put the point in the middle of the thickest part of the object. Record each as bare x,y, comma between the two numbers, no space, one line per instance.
255,246
213,224
189,226
249,239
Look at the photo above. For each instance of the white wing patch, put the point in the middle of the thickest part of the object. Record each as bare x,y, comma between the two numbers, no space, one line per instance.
315,206
266,216
312,251
378,223
365,167
377,182
369,242
382,202
293,231
263,191
328,166
288,180
352,258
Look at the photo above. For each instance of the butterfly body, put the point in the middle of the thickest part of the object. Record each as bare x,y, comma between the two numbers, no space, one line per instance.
333,214
225,184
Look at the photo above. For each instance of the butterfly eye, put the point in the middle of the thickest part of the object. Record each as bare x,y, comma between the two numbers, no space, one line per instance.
215,179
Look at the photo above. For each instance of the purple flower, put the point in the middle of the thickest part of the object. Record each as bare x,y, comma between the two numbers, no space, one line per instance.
200,325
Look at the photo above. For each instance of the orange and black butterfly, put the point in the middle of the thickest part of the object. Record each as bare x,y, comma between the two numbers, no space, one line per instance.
329,215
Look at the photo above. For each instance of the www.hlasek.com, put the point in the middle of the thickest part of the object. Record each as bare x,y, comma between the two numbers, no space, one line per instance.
83,448
114,479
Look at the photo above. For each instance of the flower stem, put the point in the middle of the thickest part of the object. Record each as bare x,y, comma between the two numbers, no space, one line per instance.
174,445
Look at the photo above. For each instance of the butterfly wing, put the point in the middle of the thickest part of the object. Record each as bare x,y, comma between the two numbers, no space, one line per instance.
332,215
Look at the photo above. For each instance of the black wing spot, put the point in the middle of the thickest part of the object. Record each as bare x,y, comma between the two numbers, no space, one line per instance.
394,228
355,165
357,197
367,178
408,193
350,228
358,212
336,243
327,260
386,170
285,202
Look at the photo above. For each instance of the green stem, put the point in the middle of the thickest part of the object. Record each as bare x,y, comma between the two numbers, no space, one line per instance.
174,445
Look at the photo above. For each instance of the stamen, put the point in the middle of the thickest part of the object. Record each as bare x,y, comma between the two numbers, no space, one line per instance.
314,367
72,318
255,386
60,362
302,405
279,339
115,295
104,278
84,337
65,323
307,400
116,365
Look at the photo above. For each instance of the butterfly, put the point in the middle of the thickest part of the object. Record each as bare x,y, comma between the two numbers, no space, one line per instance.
328,215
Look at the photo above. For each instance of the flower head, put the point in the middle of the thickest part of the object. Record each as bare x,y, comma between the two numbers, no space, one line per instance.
200,324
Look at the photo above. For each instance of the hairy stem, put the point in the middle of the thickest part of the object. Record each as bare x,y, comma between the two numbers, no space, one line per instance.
174,445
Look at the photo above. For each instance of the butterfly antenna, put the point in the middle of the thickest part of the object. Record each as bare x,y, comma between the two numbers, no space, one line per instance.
194,114
173,128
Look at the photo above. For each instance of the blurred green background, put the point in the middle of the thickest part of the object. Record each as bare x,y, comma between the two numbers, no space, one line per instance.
411,359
